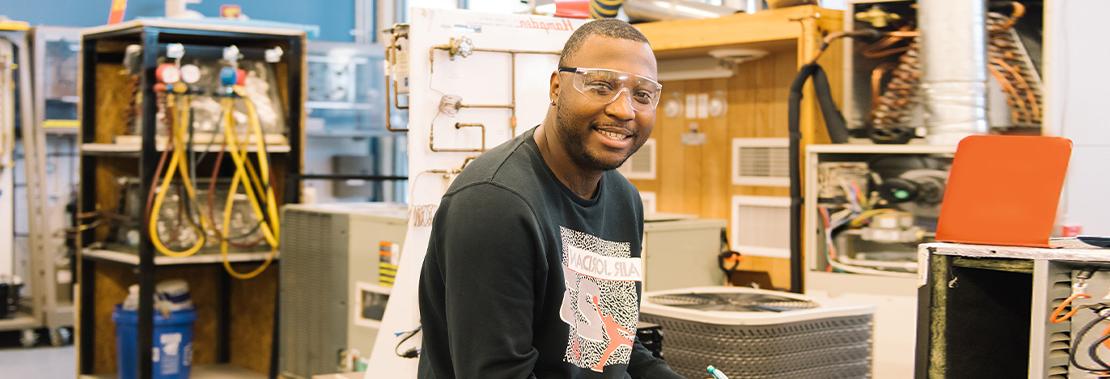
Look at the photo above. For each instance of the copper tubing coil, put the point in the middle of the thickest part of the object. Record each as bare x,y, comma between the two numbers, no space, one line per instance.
1017,109
893,105
1012,72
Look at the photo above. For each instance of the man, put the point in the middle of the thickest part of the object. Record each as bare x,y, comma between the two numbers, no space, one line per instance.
533,266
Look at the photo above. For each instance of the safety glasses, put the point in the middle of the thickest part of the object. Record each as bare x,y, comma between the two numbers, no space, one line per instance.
605,86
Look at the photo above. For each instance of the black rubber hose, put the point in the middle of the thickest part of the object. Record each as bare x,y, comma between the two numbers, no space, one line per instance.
838,133
834,120
794,129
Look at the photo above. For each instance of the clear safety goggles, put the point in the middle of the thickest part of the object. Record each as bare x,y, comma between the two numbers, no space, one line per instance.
605,86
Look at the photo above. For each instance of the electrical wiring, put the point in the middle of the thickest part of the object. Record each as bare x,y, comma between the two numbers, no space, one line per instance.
860,196
830,250
1056,318
1100,315
1092,351
411,352
835,261
851,195
864,216
868,263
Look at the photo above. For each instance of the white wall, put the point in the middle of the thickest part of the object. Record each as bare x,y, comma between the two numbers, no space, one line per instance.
1075,56
482,78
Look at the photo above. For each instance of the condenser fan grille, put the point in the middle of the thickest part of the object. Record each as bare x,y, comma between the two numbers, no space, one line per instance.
733,302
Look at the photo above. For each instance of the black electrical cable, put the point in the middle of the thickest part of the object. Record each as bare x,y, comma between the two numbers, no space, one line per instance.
412,352
1079,339
1092,351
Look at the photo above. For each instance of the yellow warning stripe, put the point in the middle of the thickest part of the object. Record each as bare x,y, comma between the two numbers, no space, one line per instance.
14,25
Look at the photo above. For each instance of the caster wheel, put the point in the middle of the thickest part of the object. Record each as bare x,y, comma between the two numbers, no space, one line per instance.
60,337
29,338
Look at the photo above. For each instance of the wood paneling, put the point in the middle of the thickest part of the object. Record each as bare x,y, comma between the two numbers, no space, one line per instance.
693,37
112,280
252,318
697,179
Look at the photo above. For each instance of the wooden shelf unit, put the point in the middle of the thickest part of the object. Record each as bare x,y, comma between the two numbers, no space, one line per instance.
236,323
696,179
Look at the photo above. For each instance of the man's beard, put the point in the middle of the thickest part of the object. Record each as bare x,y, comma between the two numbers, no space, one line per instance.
574,139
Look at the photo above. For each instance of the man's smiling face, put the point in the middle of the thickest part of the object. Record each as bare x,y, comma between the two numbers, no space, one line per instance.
600,136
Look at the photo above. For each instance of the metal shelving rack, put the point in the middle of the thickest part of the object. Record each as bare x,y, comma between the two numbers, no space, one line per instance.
17,51
105,45
55,52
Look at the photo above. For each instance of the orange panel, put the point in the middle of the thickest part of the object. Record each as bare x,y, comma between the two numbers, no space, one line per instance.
1003,190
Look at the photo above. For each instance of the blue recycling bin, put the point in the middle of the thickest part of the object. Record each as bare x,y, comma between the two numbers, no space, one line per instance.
172,348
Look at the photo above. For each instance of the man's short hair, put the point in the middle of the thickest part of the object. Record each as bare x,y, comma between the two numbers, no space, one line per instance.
608,27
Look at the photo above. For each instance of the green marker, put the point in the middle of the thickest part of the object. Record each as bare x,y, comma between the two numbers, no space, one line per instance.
717,374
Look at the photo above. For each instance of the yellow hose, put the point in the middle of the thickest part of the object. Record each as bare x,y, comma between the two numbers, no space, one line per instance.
244,171
177,162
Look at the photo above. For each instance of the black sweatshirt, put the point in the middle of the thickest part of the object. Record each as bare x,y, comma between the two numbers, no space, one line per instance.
523,278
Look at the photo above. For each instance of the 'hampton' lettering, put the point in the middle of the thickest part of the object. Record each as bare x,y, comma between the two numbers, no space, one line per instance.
563,25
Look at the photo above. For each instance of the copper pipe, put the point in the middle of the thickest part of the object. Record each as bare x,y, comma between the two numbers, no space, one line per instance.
449,172
904,33
390,57
882,48
1019,11
877,79
878,54
458,125
894,105
487,106
452,52
1024,86
1009,68
1017,108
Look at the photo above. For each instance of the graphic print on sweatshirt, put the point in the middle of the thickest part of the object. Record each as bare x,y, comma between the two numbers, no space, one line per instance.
600,302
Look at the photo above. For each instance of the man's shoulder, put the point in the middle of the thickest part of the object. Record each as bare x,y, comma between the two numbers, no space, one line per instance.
509,166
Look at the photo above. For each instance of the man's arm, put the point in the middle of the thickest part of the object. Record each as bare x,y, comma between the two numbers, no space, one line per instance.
491,247
642,365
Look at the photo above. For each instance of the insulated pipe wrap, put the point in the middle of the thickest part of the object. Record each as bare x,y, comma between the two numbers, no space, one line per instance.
954,48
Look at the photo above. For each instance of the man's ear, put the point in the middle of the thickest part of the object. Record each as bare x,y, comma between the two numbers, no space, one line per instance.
554,88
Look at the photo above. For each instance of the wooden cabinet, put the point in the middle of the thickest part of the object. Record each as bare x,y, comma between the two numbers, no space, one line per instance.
697,178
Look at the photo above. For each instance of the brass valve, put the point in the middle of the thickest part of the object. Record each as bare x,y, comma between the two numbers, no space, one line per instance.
877,17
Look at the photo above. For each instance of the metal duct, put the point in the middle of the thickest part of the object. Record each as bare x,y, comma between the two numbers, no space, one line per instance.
659,10
954,42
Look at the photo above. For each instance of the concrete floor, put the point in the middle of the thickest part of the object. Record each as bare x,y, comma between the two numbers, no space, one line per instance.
39,362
